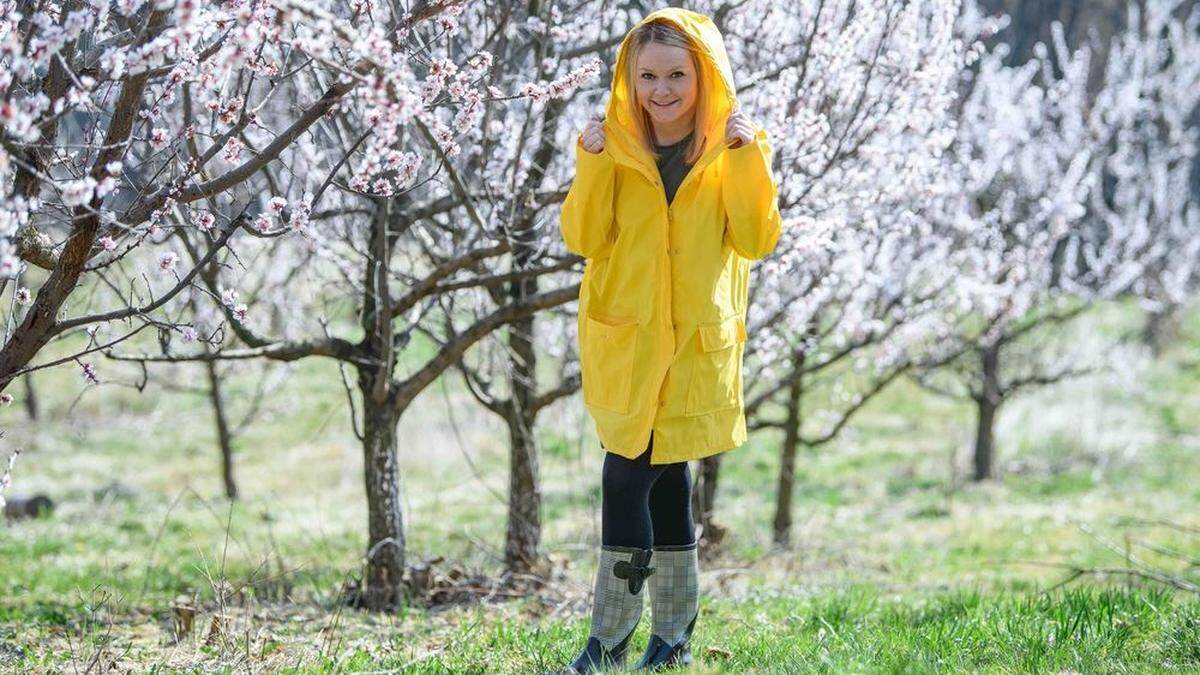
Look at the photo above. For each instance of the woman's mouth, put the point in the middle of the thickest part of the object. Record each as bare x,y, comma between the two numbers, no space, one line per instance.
664,105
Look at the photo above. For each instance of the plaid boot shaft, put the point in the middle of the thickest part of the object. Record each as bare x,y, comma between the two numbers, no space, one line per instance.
618,601
674,591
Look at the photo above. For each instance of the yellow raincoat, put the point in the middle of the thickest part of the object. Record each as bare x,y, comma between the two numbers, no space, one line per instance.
662,307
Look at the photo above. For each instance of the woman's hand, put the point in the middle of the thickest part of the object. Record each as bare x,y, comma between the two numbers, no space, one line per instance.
739,130
593,135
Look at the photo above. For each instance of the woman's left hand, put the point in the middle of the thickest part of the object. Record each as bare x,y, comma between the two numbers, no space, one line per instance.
739,130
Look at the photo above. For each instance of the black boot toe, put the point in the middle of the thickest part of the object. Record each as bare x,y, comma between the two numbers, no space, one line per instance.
595,657
660,654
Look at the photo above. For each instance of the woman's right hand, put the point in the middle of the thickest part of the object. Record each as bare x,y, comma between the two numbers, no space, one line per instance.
593,135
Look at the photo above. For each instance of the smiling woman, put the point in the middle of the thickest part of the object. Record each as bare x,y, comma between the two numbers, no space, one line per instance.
673,197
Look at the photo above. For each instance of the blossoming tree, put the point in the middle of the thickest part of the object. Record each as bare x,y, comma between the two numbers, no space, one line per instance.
1069,197
153,151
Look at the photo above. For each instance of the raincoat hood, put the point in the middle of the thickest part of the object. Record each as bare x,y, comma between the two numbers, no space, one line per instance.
620,127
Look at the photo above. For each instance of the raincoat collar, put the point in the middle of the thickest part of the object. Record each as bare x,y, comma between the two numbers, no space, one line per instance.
620,128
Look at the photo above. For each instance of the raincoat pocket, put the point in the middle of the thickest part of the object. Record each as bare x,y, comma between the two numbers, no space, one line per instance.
608,350
716,380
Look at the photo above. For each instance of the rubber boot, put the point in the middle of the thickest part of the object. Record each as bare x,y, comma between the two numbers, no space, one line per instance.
675,602
617,605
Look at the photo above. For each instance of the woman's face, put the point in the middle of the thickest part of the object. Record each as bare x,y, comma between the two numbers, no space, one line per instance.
665,80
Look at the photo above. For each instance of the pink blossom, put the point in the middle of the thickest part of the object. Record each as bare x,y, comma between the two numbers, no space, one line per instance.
430,89
205,220
6,479
278,204
78,192
262,223
158,138
233,149
6,398
448,24
457,90
10,264
23,296
534,91
128,7
441,68
229,113
105,186
89,373
300,214
108,243
167,260
535,24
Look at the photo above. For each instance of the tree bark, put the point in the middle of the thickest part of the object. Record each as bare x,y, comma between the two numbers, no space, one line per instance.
383,588
523,537
31,402
987,404
224,437
384,583
524,533
524,497
704,500
1161,329
781,527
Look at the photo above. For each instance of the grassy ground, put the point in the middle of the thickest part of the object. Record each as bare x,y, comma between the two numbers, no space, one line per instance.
898,563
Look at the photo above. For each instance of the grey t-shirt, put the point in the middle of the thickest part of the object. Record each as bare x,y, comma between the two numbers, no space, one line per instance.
671,164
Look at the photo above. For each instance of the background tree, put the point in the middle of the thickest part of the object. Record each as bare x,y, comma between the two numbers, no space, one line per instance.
427,262
1031,152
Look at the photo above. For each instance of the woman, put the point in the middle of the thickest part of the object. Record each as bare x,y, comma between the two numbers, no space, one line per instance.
673,197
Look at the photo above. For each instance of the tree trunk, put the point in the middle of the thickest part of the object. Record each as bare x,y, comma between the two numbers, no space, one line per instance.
781,527
224,438
383,588
704,500
1161,329
31,403
987,404
524,534
524,492
384,583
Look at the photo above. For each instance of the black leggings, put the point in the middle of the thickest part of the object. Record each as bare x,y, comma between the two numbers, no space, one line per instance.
646,504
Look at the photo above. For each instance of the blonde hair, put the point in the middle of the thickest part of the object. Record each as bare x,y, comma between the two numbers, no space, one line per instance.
666,33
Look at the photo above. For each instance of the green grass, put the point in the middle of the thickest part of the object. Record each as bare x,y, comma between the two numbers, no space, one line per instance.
898,564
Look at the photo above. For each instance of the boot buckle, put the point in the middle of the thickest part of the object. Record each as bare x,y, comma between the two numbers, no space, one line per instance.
636,570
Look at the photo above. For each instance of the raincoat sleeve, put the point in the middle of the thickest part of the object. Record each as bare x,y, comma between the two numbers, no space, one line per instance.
587,211
751,199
